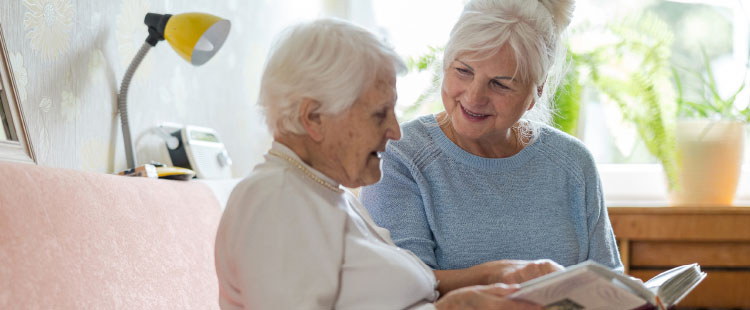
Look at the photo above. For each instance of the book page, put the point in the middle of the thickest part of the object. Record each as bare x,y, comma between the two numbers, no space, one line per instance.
580,289
659,280
674,284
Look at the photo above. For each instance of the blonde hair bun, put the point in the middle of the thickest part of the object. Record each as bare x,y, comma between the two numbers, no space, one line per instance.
561,11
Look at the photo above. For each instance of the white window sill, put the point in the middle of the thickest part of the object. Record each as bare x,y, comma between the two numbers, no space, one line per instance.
644,185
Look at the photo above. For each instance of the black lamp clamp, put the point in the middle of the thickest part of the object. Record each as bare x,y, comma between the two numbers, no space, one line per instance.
156,24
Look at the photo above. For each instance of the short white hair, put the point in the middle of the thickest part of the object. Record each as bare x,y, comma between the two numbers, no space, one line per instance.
532,29
327,60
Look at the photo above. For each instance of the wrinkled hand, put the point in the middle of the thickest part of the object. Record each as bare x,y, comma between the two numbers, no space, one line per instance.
518,271
483,297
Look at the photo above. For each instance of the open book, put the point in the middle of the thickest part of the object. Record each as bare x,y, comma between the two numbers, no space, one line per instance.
589,285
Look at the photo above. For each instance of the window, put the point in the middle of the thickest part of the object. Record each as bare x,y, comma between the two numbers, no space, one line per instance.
720,28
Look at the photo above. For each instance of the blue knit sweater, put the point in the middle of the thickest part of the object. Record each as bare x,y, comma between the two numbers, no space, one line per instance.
455,210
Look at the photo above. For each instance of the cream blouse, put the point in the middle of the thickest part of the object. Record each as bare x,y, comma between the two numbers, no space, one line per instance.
288,241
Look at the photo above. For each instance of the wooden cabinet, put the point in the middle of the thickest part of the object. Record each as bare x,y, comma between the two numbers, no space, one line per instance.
653,239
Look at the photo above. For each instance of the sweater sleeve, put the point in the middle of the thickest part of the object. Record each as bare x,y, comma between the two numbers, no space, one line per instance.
602,244
396,204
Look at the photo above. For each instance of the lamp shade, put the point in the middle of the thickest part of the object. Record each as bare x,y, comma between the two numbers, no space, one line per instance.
196,36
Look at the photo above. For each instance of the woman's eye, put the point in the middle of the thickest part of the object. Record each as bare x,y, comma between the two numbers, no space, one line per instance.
463,71
497,84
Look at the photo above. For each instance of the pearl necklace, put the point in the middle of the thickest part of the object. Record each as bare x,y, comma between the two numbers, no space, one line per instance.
306,171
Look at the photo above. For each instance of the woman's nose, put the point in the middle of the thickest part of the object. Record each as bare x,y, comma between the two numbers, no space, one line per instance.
475,94
393,130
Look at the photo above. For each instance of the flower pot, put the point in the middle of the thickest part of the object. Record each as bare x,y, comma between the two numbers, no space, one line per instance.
711,159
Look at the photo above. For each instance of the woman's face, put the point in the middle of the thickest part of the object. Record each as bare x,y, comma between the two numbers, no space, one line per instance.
483,98
354,138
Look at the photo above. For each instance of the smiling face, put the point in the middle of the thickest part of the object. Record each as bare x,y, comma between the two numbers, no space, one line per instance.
482,98
353,138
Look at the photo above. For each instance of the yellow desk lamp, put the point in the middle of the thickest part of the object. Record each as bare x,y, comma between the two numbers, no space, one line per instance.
194,36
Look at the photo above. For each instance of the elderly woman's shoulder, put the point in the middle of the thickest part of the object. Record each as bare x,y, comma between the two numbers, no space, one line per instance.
259,185
554,135
565,144
418,129
270,184
415,135
259,179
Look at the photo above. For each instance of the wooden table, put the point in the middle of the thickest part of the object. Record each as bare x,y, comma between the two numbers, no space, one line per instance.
653,239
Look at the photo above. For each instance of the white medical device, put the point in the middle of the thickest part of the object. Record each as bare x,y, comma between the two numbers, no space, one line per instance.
201,150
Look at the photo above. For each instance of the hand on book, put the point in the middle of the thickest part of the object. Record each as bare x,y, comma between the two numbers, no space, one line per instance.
483,297
500,271
517,271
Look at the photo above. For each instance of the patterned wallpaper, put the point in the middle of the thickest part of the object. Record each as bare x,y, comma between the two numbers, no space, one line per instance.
68,58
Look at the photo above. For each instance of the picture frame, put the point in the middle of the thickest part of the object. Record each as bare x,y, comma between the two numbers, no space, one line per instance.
15,144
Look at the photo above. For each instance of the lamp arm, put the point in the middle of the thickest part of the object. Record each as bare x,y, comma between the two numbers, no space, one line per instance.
122,103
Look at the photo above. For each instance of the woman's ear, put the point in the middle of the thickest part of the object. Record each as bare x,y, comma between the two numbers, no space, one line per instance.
310,119
539,91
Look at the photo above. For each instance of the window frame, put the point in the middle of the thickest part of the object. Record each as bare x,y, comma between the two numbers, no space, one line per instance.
644,185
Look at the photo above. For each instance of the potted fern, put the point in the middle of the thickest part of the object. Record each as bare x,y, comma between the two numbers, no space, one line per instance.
698,142
710,141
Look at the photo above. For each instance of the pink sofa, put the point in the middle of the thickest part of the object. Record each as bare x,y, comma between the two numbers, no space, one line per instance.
77,240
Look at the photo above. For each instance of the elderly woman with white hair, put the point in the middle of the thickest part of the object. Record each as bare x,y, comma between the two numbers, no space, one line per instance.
488,179
292,237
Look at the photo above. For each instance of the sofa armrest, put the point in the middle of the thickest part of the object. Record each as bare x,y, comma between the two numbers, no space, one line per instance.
77,240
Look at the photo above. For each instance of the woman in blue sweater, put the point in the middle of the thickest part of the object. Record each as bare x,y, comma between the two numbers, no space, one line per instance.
488,179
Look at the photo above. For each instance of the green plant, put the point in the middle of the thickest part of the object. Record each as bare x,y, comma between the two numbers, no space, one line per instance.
633,72
427,101
567,100
710,105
